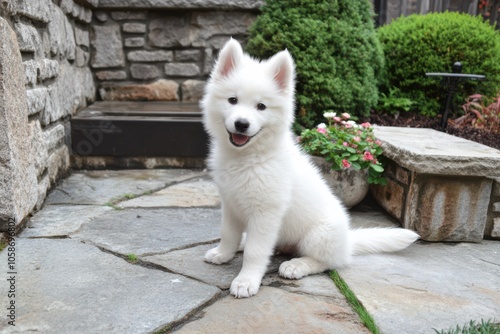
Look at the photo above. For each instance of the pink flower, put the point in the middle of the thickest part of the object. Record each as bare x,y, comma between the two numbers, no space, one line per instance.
366,125
378,142
337,119
345,143
346,163
347,125
367,156
356,139
346,116
321,130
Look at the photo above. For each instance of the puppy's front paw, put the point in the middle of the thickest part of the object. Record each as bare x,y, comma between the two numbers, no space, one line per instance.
244,287
292,269
215,256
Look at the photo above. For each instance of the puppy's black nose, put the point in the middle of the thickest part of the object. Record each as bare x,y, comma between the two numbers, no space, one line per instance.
241,125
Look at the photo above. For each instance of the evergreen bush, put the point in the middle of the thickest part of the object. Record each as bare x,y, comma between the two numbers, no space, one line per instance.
417,44
338,58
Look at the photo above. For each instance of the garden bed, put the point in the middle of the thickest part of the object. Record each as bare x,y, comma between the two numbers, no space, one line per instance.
485,137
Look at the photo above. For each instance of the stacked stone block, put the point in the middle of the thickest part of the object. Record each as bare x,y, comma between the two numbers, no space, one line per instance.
444,187
137,53
53,46
493,222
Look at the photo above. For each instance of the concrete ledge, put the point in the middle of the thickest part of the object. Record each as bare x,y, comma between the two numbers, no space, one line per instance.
182,4
433,152
438,185
138,135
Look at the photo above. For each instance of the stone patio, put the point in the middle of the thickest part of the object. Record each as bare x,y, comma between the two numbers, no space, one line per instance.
73,275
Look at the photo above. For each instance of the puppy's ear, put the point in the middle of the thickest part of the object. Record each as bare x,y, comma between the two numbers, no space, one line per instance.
283,70
229,58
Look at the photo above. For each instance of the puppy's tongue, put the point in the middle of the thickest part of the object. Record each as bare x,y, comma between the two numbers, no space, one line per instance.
238,139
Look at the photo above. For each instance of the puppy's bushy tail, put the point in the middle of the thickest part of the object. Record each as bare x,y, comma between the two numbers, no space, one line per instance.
377,240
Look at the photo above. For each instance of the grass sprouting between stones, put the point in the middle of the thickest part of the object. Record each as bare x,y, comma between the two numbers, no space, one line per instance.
132,258
365,317
485,327
3,244
113,203
113,206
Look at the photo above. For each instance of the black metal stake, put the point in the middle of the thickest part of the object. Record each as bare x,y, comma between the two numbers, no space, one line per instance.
452,80
452,85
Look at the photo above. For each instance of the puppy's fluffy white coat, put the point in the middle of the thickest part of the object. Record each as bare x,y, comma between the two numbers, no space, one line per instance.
268,186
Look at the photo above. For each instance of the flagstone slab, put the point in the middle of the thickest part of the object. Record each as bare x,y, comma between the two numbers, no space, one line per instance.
65,286
274,310
428,151
151,231
189,262
428,285
101,187
194,193
61,220
370,218
318,285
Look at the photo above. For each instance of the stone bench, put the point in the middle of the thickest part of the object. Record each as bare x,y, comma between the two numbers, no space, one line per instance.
444,187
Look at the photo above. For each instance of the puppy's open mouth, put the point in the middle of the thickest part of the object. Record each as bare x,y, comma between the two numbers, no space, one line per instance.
238,139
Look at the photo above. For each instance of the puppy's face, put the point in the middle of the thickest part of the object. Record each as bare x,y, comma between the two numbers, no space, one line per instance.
246,99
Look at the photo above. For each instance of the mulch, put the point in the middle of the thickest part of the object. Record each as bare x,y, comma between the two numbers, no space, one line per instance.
419,121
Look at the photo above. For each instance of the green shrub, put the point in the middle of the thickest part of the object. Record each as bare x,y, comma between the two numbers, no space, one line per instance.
338,58
417,44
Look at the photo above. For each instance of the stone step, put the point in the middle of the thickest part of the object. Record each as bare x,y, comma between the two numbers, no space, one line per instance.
438,184
128,134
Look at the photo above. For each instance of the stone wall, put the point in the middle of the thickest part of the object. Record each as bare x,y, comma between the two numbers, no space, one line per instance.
49,41
55,53
164,53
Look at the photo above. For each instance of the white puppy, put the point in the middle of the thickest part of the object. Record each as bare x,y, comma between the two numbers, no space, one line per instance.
268,186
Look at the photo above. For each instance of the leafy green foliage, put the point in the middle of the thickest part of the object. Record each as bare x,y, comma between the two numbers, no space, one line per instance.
417,44
393,103
485,327
338,58
345,144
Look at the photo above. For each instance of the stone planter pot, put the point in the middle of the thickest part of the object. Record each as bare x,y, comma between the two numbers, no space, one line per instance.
350,185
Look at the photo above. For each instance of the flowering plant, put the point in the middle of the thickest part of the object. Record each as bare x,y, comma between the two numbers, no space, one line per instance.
345,144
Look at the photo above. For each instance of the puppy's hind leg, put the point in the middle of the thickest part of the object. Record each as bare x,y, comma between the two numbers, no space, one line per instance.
231,235
302,266
325,247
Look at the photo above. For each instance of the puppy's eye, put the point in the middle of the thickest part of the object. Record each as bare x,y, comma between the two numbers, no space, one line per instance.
261,106
232,100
